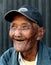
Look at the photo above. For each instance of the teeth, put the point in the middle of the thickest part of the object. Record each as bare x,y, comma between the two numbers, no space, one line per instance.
20,40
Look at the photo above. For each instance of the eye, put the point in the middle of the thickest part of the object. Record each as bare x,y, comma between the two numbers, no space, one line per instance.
13,27
26,27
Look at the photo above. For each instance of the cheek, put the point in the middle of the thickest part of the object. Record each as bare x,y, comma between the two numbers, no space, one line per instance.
11,33
28,33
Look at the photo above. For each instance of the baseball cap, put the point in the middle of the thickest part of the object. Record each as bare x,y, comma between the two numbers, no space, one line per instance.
28,11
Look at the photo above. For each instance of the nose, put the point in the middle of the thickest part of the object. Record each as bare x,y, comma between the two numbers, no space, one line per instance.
17,33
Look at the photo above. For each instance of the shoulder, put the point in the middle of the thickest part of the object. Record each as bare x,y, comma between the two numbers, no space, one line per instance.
49,51
6,56
8,52
46,50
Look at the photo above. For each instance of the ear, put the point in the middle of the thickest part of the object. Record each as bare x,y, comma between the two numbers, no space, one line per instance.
40,33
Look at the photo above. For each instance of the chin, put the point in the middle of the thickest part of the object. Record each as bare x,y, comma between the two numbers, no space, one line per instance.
21,46
19,49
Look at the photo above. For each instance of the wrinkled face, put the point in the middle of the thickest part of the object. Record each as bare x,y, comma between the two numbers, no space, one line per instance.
22,32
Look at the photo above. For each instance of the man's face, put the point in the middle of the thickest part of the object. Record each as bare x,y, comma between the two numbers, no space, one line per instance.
22,32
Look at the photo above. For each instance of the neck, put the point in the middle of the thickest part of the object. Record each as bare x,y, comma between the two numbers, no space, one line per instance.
30,55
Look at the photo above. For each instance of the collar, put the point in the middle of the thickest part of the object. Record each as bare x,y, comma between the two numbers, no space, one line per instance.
21,60
43,56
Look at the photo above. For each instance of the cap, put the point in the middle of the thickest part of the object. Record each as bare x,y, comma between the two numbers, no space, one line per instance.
28,11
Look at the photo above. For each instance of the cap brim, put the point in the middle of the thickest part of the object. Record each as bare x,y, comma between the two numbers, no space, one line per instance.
11,14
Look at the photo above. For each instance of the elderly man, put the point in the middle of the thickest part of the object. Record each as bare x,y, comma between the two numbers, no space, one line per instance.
26,31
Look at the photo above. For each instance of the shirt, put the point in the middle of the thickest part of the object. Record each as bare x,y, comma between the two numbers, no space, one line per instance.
10,57
24,62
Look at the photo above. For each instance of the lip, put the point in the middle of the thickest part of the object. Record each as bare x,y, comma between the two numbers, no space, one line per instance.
19,41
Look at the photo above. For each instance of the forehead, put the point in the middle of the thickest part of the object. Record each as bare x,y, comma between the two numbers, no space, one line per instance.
20,19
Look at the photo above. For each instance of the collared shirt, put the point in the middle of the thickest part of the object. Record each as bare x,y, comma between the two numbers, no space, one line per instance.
24,62
10,57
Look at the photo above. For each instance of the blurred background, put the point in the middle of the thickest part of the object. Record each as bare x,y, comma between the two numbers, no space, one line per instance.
44,7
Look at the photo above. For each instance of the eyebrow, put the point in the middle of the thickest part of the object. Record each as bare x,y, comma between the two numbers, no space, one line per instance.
25,24
21,24
12,24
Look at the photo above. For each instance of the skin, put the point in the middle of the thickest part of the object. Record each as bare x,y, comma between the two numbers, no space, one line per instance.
25,35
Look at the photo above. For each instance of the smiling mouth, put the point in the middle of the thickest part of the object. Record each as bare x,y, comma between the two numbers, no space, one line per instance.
20,40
